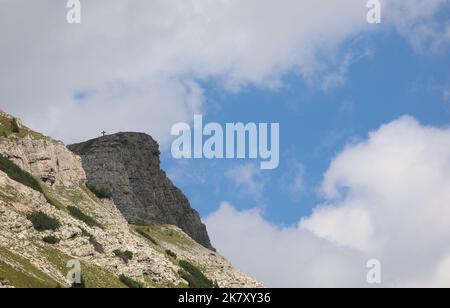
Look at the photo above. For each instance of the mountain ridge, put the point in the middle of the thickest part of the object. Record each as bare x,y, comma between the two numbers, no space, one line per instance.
58,219
127,164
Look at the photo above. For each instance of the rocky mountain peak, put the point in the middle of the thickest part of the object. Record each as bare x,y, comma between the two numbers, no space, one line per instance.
47,159
49,217
128,166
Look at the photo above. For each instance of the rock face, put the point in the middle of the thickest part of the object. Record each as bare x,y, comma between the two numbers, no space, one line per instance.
24,255
128,166
27,259
49,160
46,158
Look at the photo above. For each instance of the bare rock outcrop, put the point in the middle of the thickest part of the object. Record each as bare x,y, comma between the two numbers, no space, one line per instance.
97,230
128,166
47,159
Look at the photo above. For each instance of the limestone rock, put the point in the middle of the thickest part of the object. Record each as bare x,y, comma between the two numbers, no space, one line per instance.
33,262
128,165
47,159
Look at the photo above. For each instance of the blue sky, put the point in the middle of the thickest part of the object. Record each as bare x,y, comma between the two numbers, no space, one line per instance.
316,67
316,123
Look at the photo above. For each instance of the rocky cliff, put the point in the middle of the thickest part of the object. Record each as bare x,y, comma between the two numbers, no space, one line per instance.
128,166
49,217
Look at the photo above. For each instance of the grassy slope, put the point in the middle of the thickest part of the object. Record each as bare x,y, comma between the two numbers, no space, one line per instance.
94,276
30,276
21,273
163,234
6,129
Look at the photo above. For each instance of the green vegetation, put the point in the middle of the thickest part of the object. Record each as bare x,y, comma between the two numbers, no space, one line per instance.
149,282
78,214
15,173
145,234
53,202
101,193
51,240
93,241
194,276
85,233
97,246
50,199
94,276
75,195
170,253
10,126
131,283
165,234
20,273
43,222
126,256
97,277
90,194
15,126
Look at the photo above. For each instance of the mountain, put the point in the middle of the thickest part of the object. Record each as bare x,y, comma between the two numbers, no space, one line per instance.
50,218
127,165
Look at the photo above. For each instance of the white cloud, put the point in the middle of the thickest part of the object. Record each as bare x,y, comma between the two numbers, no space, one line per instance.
294,180
281,257
387,198
150,54
413,19
338,77
344,226
184,172
247,179
446,95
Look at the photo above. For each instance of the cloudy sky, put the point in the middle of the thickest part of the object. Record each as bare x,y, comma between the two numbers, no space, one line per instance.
364,111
